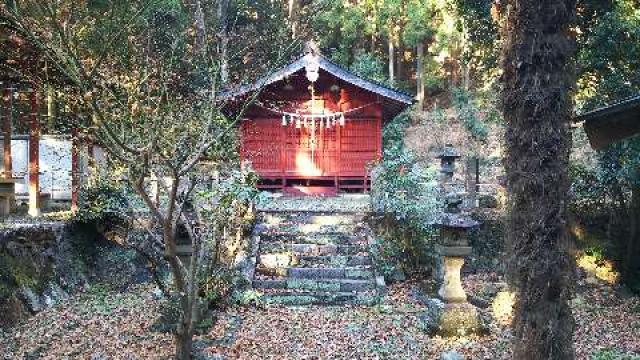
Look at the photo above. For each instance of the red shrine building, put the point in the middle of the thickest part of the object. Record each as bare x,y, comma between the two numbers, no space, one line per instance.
314,127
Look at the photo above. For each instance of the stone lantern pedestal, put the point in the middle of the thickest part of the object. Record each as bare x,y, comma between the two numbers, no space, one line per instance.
451,290
454,316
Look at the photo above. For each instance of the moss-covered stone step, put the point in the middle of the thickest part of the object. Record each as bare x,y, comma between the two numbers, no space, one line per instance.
313,249
278,218
329,273
319,298
270,272
317,239
286,260
336,285
335,260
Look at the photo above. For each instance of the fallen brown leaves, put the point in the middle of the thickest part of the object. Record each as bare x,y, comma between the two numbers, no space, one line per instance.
111,325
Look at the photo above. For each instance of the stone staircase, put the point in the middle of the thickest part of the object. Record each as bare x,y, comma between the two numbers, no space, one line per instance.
319,258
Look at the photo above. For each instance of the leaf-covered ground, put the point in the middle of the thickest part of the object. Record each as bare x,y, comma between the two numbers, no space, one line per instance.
102,324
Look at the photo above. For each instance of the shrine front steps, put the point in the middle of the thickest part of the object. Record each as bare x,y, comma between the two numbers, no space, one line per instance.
312,258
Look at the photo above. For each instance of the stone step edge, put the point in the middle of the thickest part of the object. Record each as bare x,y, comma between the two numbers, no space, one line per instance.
313,240
266,247
311,211
362,299
334,285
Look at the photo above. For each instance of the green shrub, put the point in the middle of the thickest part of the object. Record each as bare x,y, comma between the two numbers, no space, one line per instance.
467,112
406,197
216,285
102,200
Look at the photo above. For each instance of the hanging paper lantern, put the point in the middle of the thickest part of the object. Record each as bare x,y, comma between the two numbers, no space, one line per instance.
341,119
297,123
284,120
328,123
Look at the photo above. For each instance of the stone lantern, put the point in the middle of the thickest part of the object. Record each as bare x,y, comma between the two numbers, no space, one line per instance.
448,158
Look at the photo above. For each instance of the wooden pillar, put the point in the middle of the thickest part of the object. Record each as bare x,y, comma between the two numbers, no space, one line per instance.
338,155
283,155
75,170
34,157
6,131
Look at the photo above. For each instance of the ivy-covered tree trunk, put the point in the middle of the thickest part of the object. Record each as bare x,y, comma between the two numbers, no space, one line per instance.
629,267
538,80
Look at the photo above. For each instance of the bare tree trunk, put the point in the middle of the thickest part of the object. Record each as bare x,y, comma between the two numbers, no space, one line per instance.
538,80
184,344
197,14
420,74
372,44
293,18
223,39
399,62
392,51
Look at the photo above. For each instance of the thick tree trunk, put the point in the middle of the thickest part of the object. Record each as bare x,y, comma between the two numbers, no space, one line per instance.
634,234
538,80
420,74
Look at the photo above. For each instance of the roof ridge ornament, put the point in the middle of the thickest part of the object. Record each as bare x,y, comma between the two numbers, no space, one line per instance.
312,67
311,47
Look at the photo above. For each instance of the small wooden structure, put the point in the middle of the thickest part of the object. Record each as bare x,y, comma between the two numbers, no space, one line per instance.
319,136
30,98
612,123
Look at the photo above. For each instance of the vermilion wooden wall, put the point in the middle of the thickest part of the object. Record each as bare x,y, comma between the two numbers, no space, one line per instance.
341,152
284,151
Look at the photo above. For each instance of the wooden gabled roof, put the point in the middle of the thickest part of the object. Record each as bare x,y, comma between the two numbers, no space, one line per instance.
612,123
393,100
330,67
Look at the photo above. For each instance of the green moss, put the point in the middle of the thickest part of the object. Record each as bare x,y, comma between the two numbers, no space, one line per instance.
328,286
15,273
358,274
302,284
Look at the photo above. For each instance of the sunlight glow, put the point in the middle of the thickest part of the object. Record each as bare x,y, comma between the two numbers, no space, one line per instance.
601,269
502,307
306,167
